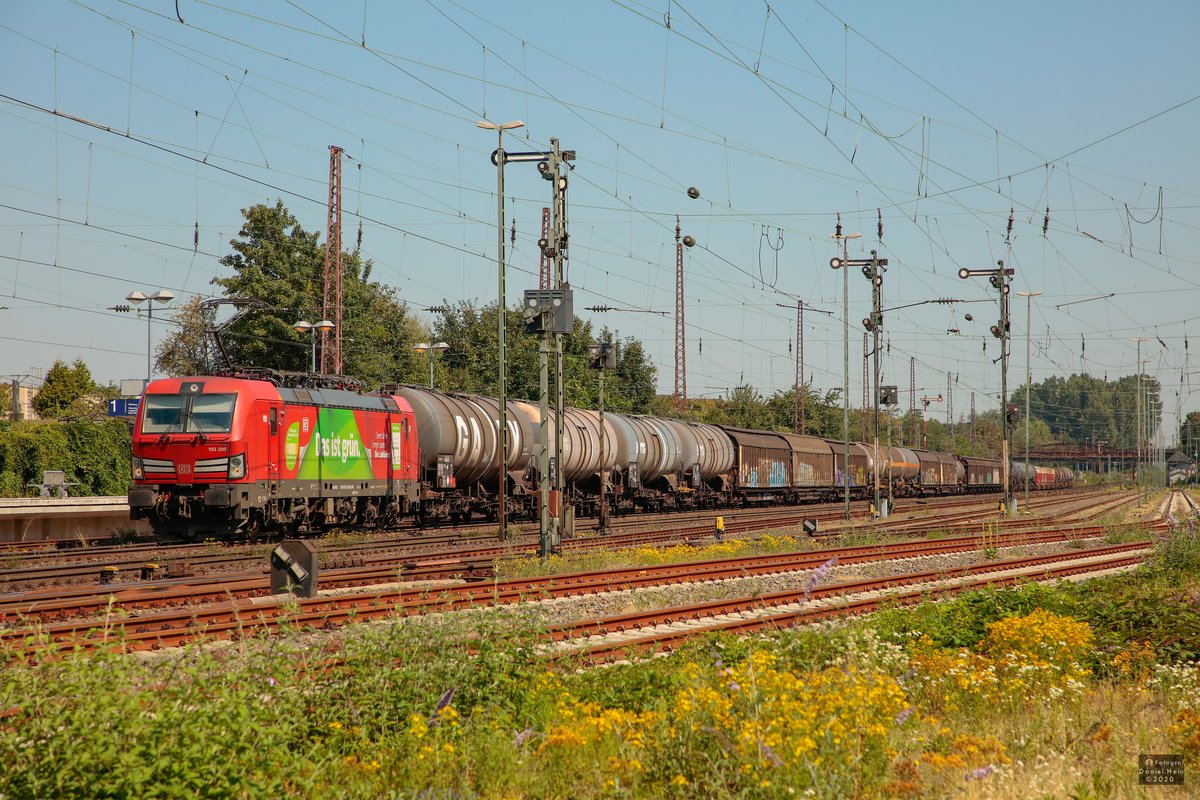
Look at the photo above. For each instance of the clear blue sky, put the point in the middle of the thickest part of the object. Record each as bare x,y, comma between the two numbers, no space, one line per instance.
942,116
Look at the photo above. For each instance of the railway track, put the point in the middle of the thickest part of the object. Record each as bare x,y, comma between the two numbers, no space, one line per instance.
379,569
118,564
235,618
660,631
27,609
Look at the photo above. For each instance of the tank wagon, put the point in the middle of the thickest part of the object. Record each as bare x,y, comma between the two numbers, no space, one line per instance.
221,455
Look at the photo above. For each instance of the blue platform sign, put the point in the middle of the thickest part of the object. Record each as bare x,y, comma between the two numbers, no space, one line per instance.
124,407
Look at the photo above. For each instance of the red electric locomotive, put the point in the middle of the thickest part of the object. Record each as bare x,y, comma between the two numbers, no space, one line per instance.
225,455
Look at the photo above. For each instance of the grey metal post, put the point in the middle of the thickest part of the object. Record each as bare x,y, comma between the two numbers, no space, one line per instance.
1137,465
502,388
545,543
560,246
999,280
149,322
846,375
603,460
1028,379
838,235
876,324
1004,337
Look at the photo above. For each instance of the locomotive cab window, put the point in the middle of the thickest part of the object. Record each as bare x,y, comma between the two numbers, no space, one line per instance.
163,413
211,413
194,413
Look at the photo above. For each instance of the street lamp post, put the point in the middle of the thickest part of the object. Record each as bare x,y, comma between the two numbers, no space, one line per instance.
999,278
502,427
304,326
431,349
843,264
137,298
1137,467
1028,369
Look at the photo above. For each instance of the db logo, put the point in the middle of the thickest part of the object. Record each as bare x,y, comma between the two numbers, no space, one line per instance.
184,469
304,424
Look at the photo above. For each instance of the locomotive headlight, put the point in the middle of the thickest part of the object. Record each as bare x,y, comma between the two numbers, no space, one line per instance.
237,466
139,471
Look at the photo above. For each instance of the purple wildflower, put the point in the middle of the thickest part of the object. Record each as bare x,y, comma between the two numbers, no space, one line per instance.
904,716
1174,523
447,698
733,687
818,575
522,737
980,773
771,755
270,681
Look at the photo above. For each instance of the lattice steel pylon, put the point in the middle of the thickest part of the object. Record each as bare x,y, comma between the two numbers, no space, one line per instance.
798,409
331,358
912,396
972,417
949,400
546,266
680,338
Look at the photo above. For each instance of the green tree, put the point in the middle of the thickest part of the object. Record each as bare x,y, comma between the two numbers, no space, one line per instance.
190,349
278,262
470,365
1189,434
69,391
1082,409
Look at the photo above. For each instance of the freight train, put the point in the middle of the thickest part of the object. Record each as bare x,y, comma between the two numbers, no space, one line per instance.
243,455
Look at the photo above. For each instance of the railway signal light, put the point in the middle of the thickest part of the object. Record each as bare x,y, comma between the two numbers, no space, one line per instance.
888,395
294,568
1012,413
602,355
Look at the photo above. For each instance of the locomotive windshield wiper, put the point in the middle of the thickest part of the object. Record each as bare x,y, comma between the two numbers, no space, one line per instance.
179,422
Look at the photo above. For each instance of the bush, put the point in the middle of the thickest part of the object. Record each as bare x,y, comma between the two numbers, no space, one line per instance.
94,455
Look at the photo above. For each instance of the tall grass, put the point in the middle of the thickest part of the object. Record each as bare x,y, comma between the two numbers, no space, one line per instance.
1004,693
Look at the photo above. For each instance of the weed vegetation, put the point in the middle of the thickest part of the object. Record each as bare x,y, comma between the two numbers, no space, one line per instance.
645,556
1039,691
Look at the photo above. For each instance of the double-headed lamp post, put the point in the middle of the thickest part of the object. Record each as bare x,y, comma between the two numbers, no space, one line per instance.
137,298
431,349
843,264
502,387
1028,369
304,326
